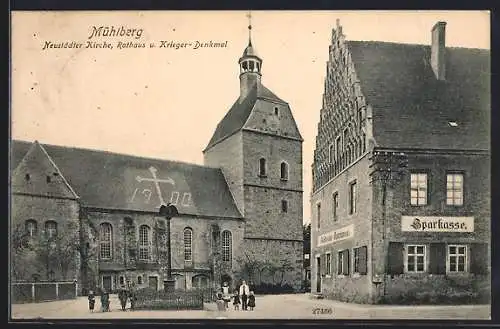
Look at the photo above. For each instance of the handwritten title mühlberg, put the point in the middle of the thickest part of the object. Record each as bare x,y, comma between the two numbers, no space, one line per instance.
121,37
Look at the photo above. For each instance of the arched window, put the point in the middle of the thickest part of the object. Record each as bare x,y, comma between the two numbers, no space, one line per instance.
284,171
262,167
199,282
51,229
31,227
227,246
106,240
144,242
188,244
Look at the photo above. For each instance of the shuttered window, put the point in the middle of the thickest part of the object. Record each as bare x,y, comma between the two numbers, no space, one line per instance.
437,258
360,260
479,258
396,260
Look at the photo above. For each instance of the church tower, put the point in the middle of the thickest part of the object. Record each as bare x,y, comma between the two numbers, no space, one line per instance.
259,148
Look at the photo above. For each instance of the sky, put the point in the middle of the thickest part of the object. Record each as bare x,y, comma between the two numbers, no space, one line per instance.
166,103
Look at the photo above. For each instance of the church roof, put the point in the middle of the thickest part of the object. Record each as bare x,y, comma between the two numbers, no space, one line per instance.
235,118
117,181
411,108
250,51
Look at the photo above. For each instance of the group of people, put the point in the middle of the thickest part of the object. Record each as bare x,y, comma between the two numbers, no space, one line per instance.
123,296
243,296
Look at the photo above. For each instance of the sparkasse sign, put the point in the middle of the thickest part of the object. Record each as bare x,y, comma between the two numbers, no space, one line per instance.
437,224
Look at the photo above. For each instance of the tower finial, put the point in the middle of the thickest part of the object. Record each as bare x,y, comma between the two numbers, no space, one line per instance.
249,15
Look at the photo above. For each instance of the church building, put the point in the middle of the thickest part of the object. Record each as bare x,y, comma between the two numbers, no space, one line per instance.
93,215
400,205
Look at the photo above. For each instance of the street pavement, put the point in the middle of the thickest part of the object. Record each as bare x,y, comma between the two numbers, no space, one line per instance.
297,306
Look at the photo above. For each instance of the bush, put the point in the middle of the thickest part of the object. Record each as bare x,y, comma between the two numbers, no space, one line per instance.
438,289
269,289
151,299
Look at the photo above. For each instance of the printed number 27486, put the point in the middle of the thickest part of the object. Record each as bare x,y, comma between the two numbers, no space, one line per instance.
322,311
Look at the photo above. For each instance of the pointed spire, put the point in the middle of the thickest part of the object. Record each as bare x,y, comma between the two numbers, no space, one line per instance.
249,15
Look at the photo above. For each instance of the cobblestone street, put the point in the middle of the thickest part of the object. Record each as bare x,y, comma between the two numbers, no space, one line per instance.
299,306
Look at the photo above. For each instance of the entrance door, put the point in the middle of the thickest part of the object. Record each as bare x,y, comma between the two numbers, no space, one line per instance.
153,282
106,282
318,274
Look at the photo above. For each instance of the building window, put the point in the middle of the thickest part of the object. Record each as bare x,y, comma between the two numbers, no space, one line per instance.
284,171
31,227
352,198
48,179
415,258
335,205
276,111
457,258
106,240
356,260
51,229
346,137
331,153
122,280
188,245
343,262
144,242
27,177
284,205
338,147
318,214
454,189
360,260
328,264
418,189
262,167
227,243
139,279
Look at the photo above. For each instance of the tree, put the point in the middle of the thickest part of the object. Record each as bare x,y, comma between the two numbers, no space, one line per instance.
44,256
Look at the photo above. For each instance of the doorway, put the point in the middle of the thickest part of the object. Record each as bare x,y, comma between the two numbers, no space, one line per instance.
106,283
318,274
153,282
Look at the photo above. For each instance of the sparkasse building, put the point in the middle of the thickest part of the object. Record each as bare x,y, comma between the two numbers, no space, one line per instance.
400,204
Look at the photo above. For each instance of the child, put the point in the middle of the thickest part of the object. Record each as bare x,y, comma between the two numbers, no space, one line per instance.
251,301
91,301
236,300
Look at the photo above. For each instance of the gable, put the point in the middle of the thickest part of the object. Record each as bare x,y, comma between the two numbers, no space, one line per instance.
272,117
37,174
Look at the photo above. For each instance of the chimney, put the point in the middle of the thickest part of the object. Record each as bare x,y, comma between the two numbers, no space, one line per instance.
438,50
